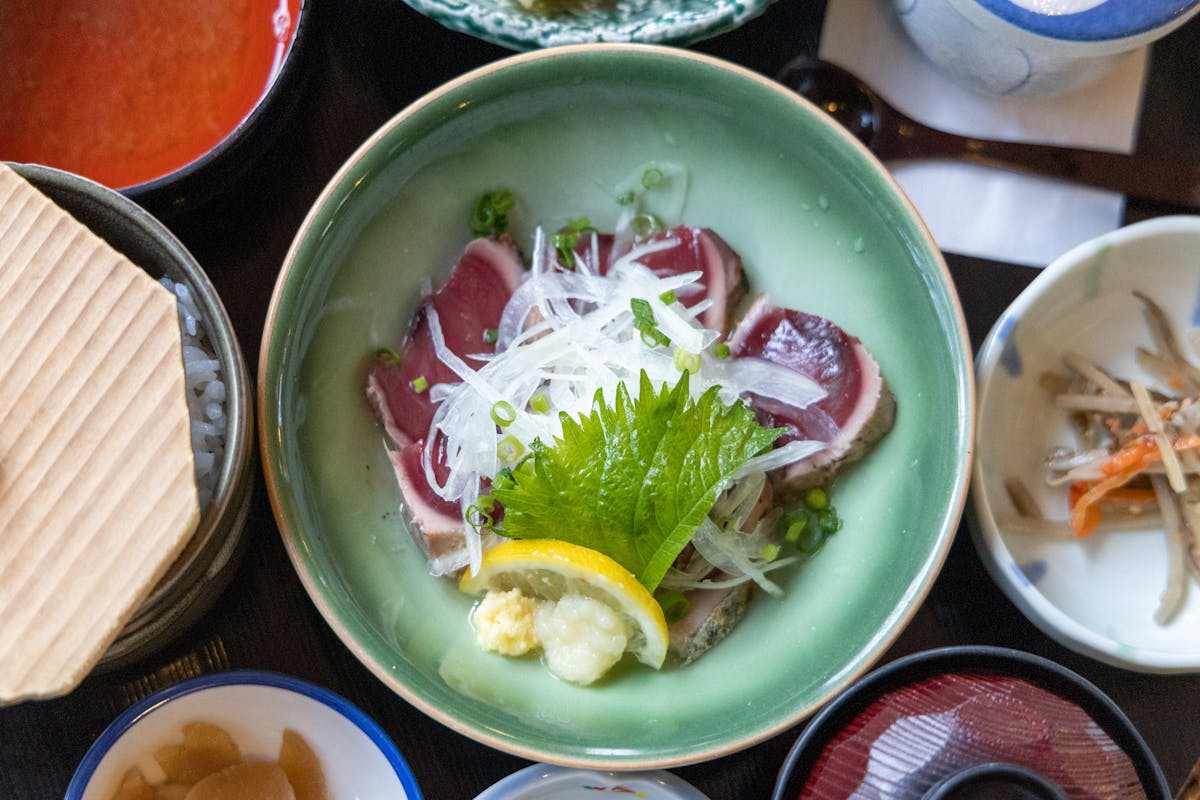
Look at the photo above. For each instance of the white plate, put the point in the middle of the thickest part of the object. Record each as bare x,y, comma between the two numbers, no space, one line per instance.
546,782
1095,595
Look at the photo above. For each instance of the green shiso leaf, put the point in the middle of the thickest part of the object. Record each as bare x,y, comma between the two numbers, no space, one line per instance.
634,479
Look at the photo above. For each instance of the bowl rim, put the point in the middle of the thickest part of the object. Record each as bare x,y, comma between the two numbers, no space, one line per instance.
516,29
129,718
896,623
986,534
1123,23
259,115
913,667
524,779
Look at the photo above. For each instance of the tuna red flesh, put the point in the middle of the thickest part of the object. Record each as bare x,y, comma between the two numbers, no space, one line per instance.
858,408
699,249
470,303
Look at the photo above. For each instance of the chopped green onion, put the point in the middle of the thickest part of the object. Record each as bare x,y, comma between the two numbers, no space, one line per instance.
795,528
490,215
504,479
503,413
539,403
816,498
626,198
645,224
686,362
652,177
668,297
388,354
490,335
721,350
419,384
509,450
567,239
643,314
674,604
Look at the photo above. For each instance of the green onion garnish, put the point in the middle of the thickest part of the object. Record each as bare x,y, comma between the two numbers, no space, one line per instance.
643,321
686,362
645,224
539,403
652,177
419,384
490,215
643,314
389,355
566,240
490,335
509,449
626,198
816,498
674,604
668,297
503,413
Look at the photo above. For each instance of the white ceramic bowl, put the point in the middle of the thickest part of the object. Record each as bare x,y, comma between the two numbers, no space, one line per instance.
1035,47
357,757
1096,595
547,782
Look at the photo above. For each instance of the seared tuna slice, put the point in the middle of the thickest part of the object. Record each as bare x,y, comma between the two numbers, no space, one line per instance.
713,614
858,408
699,249
470,303
467,305
438,522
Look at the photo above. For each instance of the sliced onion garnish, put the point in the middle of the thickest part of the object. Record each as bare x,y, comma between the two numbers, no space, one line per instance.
783,456
565,335
727,551
767,379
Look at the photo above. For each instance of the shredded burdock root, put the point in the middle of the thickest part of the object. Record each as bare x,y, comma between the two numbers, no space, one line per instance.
1137,459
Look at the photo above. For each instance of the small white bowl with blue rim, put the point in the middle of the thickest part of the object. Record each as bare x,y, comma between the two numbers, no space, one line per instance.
357,757
1035,47
1096,595
549,782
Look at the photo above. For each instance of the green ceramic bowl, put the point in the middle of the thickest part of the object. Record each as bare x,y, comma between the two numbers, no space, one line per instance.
820,225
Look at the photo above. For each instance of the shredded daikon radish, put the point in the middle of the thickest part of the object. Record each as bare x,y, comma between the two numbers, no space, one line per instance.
563,337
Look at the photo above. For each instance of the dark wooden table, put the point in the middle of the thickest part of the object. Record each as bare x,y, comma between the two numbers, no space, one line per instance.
368,59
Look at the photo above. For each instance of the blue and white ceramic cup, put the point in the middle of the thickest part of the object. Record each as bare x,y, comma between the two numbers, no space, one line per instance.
1035,47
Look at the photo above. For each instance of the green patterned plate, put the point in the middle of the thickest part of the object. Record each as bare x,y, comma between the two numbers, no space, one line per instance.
820,225
508,24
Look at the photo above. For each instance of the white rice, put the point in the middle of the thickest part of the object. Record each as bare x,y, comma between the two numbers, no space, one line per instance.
206,392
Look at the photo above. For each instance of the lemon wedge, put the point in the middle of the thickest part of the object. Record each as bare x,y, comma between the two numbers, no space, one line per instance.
549,569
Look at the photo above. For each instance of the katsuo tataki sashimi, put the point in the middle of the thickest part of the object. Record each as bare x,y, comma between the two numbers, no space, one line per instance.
586,437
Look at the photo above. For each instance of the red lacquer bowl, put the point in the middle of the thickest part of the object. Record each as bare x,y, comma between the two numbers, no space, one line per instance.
971,722
165,102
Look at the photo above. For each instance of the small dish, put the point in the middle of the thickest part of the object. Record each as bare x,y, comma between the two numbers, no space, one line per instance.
357,757
1097,595
549,782
970,722
508,24
203,569
72,107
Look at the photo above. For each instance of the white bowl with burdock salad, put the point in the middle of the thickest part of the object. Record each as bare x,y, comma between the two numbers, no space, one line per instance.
125,449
